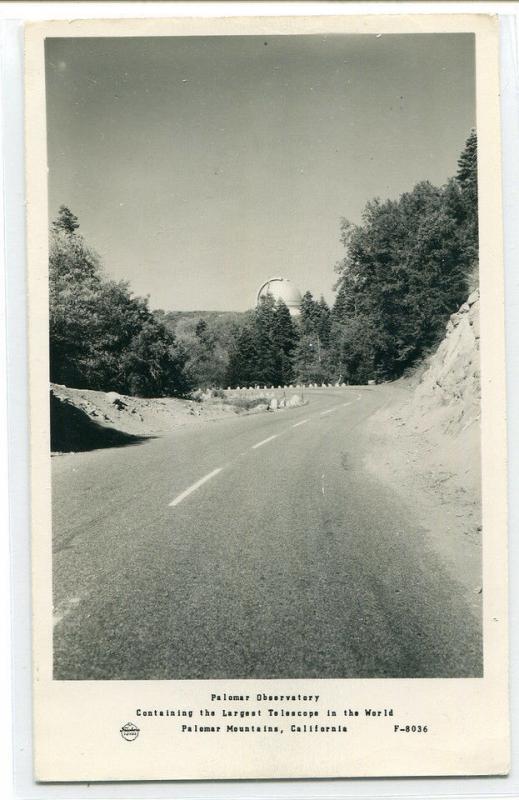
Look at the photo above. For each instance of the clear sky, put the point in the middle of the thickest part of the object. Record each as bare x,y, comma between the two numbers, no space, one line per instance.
200,167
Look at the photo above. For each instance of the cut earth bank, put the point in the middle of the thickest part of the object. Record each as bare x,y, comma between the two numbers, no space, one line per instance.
425,443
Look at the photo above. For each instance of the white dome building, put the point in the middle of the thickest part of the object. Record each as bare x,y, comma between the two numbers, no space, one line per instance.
282,289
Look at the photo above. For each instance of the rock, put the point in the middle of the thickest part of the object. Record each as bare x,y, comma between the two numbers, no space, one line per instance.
450,386
273,406
473,298
475,326
295,400
115,399
372,383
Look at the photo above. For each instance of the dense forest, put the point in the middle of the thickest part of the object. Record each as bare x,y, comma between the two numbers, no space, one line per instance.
408,265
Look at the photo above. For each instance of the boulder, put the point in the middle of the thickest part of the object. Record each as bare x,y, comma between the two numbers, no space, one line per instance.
115,399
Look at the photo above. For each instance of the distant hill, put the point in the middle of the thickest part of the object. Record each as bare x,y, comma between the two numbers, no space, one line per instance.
207,337
213,318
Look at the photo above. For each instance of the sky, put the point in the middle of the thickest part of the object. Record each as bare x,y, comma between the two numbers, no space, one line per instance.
199,167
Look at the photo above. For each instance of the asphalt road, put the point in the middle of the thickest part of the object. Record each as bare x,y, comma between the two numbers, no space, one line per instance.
250,547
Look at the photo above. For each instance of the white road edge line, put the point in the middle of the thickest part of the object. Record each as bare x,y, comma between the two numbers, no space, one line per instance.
195,486
327,412
300,423
254,446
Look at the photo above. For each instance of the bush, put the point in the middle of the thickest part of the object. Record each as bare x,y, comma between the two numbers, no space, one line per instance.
246,403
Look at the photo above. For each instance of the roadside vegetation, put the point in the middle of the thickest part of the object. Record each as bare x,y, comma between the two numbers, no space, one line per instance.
407,267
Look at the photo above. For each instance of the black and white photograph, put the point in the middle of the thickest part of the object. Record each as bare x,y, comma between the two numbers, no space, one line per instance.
268,460
264,357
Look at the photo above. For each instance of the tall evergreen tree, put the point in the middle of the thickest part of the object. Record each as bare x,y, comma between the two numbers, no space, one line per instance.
243,359
324,323
467,180
310,314
467,174
266,372
284,339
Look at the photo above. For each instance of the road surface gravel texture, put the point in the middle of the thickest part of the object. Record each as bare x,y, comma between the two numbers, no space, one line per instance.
251,547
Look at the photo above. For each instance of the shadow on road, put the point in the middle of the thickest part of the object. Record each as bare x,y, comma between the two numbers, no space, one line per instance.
71,430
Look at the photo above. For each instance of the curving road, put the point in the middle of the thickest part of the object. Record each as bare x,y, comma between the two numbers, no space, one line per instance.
250,547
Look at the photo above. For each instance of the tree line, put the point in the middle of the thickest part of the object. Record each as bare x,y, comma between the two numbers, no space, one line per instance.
408,265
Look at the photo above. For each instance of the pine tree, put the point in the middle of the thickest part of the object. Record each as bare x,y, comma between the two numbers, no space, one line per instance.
243,359
265,368
325,323
66,221
467,174
467,180
310,314
284,338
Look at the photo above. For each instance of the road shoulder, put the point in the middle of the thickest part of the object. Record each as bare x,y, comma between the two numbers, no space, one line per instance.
441,473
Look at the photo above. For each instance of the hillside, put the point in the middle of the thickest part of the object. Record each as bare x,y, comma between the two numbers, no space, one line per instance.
216,319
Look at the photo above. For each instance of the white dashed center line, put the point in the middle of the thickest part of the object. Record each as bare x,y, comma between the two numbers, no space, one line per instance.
259,444
212,474
195,486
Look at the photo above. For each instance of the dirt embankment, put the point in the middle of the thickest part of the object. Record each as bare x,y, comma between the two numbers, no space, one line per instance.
84,419
426,444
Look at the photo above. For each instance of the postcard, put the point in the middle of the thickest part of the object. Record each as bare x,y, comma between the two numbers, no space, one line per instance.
267,370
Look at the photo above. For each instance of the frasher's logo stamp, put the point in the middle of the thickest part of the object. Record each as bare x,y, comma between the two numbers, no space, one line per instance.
130,731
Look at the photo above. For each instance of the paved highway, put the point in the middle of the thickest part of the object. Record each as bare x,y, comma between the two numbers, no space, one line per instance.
250,547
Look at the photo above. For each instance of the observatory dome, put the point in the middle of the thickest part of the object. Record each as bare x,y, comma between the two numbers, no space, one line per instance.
282,289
